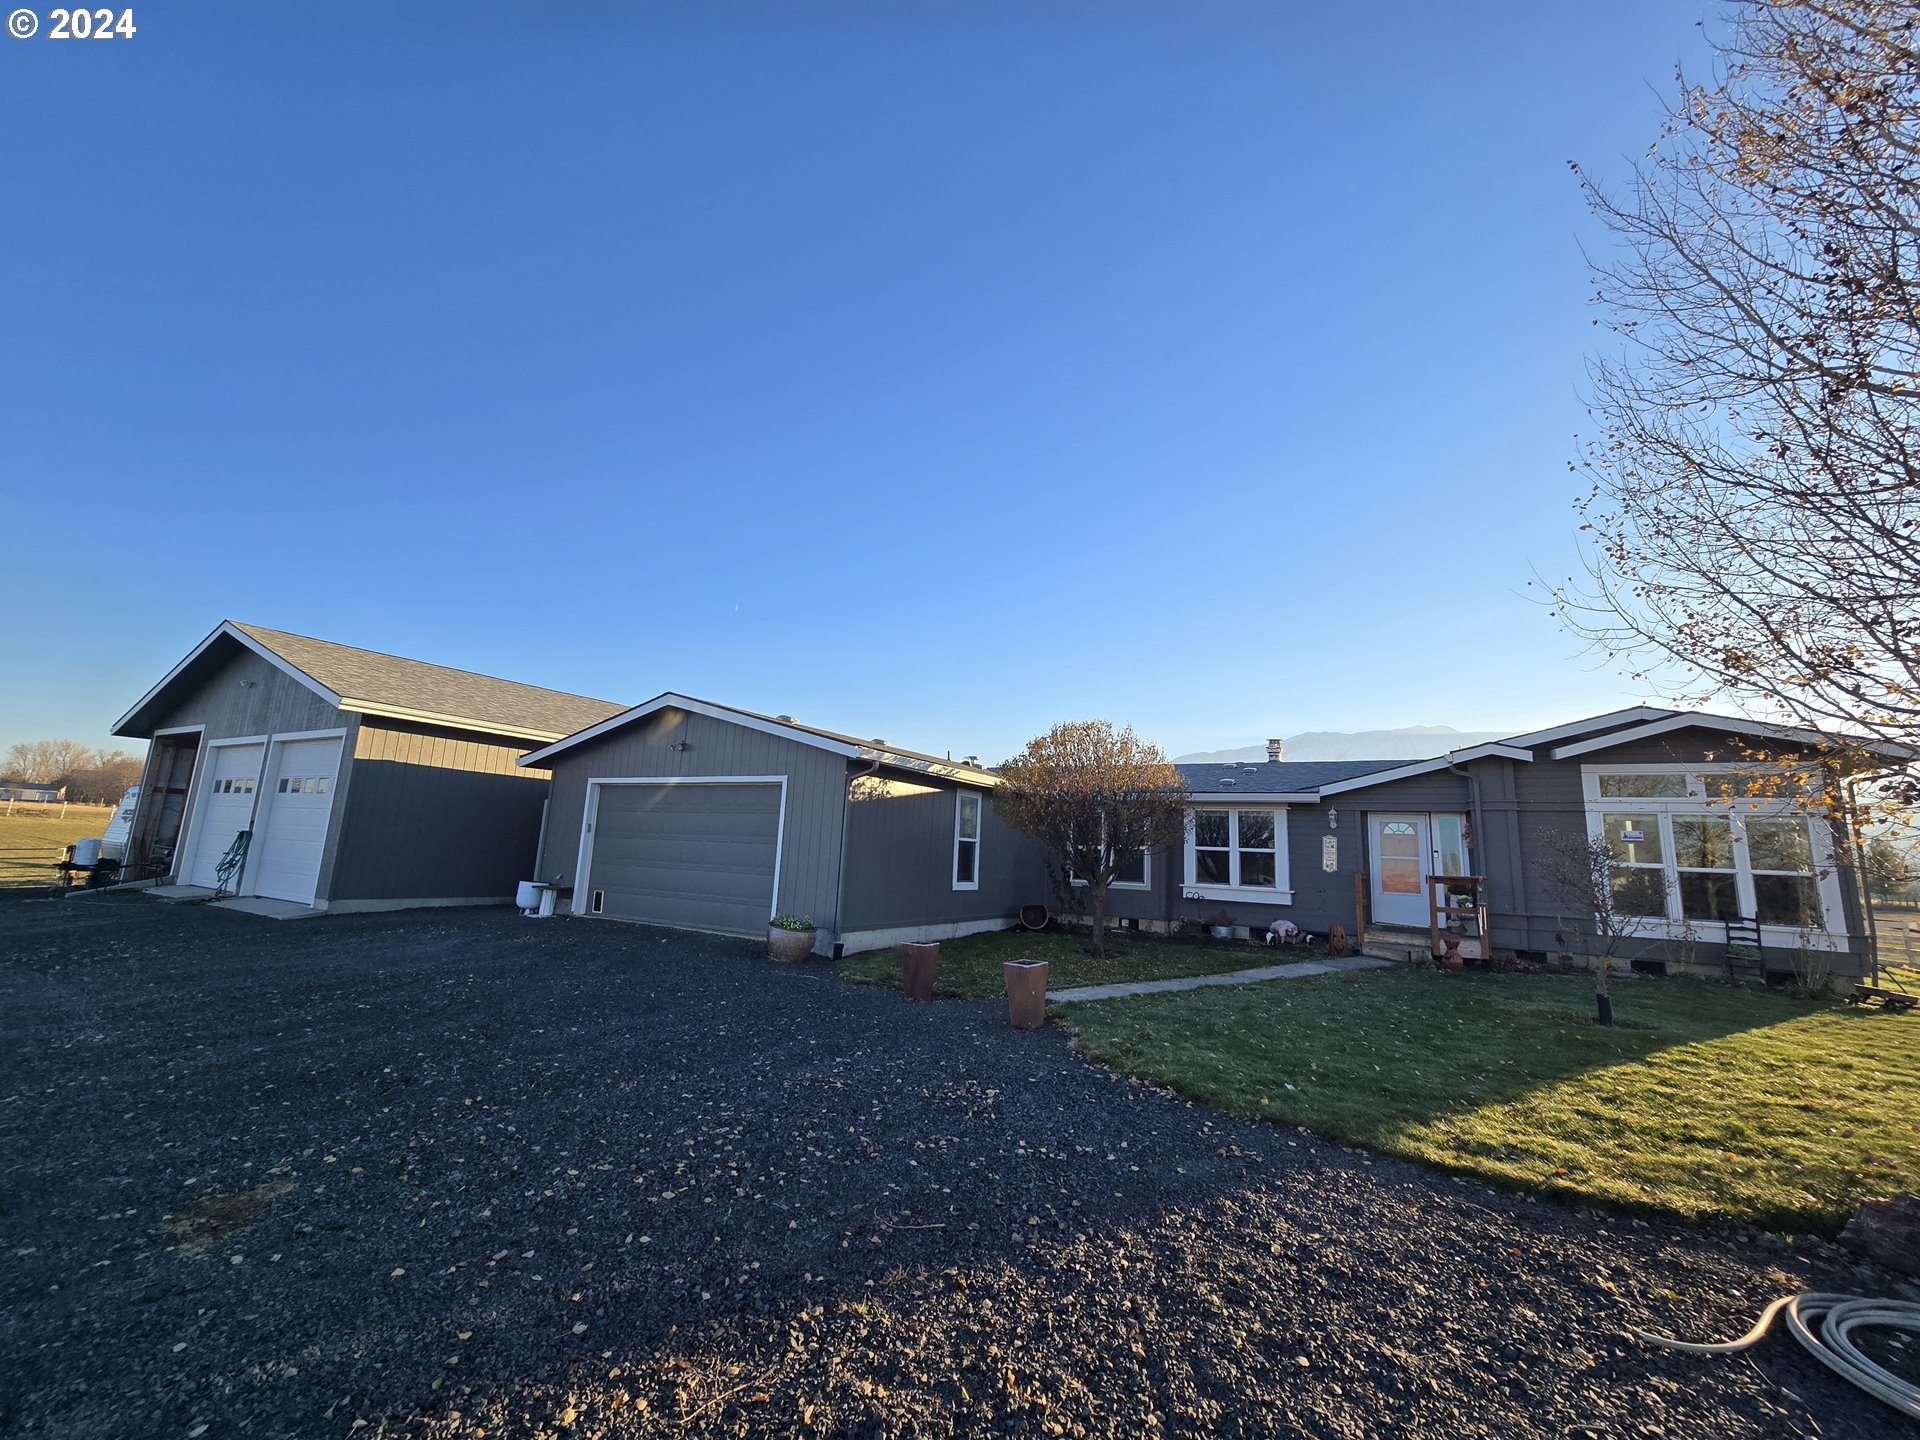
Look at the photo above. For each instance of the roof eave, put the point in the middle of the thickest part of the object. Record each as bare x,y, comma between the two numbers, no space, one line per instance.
233,632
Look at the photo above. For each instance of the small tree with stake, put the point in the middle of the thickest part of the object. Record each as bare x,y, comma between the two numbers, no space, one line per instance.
1095,797
1579,870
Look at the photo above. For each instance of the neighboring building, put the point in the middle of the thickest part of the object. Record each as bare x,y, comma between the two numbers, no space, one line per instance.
685,813
1278,840
32,790
367,781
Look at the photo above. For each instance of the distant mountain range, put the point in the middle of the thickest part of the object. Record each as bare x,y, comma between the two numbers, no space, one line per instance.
1410,742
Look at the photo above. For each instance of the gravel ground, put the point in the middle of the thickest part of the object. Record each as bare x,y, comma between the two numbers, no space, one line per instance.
455,1173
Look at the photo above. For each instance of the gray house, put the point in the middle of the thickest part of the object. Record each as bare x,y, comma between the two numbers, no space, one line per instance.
1358,842
365,781
32,790
685,813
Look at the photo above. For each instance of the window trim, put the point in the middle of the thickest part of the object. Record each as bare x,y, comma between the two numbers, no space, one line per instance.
1279,893
1145,882
1699,800
960,798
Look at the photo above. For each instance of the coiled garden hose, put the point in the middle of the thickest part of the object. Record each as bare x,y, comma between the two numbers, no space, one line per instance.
1824,1325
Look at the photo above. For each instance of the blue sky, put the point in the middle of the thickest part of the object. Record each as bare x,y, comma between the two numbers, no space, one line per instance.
935,371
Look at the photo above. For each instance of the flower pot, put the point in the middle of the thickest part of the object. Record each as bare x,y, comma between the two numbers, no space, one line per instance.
1221,932
917,961
789,945
1451,959
1026,993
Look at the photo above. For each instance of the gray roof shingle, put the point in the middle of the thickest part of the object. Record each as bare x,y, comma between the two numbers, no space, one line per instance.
401,684
1285,777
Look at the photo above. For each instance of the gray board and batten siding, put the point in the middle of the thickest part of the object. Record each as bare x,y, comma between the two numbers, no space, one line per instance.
708,748
436,814
899,874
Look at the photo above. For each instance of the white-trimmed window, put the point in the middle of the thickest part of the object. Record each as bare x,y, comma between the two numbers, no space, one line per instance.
1687,849
967,808
1133,872
1238,853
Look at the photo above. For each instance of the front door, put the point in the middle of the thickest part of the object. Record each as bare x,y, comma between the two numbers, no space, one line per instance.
1400,853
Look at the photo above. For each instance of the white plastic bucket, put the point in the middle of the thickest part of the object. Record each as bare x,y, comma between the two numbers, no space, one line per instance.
527,896
87,851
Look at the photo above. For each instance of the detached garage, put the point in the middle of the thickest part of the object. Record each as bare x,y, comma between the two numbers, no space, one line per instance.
361,781
685,813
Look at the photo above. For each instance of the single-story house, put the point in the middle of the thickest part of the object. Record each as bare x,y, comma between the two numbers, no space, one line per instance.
686,813
33,790
1358,842
365,781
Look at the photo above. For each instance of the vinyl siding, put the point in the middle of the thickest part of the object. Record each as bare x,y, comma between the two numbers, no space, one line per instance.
899,865
815,799
437,814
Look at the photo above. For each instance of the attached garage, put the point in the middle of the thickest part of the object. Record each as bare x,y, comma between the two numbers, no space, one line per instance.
695,853
698,816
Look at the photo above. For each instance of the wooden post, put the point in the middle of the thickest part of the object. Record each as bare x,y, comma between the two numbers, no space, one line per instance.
1433,916
1359,909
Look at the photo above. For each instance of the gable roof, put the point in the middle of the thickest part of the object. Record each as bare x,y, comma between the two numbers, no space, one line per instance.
784,726
372,683
1735,725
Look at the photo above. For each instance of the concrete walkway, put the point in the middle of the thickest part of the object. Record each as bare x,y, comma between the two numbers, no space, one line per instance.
1298,969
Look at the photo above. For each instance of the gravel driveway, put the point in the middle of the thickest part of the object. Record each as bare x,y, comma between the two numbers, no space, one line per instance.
446,1173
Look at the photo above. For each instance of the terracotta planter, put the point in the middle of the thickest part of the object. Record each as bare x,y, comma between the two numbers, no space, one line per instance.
1026,993
789,945
917,963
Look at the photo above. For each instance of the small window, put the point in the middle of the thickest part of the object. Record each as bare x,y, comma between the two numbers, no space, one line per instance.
966,841
320,784
599,898
283,784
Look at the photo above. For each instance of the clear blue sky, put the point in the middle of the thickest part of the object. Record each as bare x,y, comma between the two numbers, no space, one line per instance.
935,371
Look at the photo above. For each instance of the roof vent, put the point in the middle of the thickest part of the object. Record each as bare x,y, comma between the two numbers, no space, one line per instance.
973,760
1276,750
784,719
1229,780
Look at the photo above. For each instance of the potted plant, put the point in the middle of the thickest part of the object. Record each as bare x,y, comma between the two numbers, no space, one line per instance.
790,937
1221,922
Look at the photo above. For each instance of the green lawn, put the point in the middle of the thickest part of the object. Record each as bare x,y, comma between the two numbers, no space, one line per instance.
1707,1101
32,838
969,968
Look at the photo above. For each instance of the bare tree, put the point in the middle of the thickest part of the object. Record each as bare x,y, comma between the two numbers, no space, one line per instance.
46,761
1755,500
1598,899
104,777
1095,797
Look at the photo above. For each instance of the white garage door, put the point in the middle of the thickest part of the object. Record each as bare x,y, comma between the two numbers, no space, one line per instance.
291,832
697,857
224,810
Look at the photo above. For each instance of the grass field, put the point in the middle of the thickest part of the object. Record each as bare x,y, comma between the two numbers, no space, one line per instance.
32,838
1707,1101
969,968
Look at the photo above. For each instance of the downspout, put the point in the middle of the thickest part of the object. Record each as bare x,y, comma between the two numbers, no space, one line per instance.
854,777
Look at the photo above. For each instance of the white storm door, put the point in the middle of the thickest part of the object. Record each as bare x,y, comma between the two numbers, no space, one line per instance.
291,834
224,810
1400,868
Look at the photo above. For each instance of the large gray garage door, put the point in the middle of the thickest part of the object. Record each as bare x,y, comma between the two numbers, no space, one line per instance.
695,856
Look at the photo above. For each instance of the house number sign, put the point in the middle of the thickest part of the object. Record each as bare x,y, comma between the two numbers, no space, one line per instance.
1329,853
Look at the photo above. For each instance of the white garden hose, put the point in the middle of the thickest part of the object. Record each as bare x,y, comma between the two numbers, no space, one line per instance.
1824,1325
